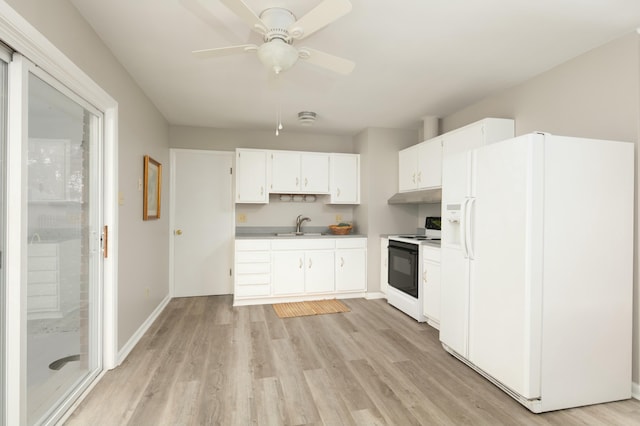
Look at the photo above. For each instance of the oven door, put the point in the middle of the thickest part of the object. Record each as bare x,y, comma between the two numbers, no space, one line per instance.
403,267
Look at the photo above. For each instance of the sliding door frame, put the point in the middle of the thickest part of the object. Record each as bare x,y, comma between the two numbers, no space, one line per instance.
17,33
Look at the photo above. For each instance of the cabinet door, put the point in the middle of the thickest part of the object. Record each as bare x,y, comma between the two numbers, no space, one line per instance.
251,176
407,169
288,272
351,270
314,176
285,172
430,164
319,271
431,285
345,179
384,265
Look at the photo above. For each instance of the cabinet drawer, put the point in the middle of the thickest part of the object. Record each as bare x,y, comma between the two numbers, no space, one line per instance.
253,257
303,244
247,279
431,253
253,268
253,290
42,290
253,245
35,250
42,277
351,243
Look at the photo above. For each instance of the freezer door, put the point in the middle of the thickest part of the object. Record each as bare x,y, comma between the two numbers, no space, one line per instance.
505,241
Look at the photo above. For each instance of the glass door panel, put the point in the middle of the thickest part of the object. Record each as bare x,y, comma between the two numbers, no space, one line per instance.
63,253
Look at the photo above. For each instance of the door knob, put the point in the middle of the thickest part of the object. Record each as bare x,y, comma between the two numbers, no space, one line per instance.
178,232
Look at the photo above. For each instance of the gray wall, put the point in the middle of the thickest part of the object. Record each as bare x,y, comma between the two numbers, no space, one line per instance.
378,150
143,246
595,95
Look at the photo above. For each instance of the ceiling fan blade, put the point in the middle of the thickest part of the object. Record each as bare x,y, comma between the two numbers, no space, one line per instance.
224,51
325,60
245,13
319,17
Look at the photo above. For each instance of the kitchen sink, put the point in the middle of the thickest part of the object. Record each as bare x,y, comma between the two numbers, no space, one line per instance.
296,234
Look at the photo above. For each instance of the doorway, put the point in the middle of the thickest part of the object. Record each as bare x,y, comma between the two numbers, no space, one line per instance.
202,219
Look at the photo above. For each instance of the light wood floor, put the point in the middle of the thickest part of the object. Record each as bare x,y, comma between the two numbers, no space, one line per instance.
204,362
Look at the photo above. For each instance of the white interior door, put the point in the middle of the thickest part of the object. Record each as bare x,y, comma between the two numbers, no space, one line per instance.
202,221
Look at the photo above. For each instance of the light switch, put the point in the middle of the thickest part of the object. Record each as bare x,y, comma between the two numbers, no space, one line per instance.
120,199
338,218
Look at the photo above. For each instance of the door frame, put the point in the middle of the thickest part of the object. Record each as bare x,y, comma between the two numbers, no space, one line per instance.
21,36
172,207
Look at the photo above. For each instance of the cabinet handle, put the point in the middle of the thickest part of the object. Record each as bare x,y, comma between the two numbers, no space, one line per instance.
297,182
413,178
300,263
310,263
338,192
419,176
262,190
424,277
306,181
341,262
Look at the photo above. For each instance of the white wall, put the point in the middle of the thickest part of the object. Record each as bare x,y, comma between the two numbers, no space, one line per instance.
230,139
595,95
378,150
143,246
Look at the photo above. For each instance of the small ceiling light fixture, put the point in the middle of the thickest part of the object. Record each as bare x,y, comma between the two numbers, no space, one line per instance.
307,118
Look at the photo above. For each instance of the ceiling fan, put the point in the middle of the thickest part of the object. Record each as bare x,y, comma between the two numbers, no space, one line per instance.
279,29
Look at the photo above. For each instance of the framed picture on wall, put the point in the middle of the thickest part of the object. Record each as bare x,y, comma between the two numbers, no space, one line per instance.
152,188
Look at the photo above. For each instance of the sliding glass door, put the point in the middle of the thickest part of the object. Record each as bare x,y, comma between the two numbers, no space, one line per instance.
53,300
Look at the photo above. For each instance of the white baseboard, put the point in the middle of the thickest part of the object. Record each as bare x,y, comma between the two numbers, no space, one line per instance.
635,390
128,347
375,295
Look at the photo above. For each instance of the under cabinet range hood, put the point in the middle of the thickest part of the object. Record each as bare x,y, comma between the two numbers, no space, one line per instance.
424,196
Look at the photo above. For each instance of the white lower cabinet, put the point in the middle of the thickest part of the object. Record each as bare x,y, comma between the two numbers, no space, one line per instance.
297,272
295,269
431,284
384,264
253,268
351,265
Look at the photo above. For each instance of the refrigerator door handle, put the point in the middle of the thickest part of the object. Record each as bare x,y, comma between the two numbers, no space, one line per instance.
469,231
463,228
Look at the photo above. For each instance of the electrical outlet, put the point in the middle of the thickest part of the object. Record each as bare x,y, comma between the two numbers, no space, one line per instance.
242,218
146,292
139,184
120,199
338,218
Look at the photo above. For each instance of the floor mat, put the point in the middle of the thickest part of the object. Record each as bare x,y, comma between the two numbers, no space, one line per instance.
317,307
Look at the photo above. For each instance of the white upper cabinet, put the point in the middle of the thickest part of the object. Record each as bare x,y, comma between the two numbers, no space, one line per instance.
314,173
344,179
251,176
299,172
420,166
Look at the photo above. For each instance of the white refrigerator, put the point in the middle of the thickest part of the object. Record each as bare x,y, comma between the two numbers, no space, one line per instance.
537,268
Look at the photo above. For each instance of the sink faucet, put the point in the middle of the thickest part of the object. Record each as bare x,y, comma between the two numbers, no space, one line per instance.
299,221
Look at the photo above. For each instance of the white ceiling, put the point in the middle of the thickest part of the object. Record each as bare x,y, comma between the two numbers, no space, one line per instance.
413,57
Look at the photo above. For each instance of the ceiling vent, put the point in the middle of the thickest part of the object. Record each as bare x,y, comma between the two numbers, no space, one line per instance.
306,118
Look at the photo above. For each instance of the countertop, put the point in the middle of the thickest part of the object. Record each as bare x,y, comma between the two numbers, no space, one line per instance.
246,236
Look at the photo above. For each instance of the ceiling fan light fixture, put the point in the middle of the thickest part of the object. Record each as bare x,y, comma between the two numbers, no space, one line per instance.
277,55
